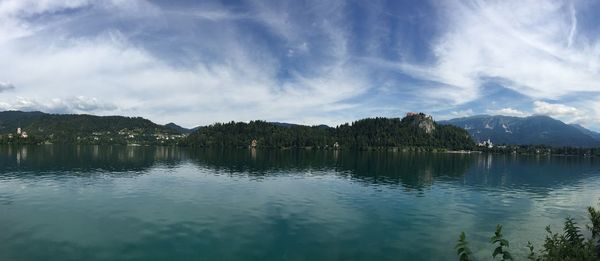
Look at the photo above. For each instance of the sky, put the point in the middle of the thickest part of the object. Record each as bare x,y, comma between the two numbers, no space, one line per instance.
307,62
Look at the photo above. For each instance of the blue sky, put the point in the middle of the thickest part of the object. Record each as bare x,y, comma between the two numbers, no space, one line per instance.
309,62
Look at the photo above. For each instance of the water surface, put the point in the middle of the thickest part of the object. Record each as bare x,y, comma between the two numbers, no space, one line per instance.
166,203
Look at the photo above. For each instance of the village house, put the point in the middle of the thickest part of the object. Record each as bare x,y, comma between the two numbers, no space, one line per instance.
20,133
486,143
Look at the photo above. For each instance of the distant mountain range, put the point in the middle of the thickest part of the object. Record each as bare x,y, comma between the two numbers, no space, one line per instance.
290,125
533,130
527,131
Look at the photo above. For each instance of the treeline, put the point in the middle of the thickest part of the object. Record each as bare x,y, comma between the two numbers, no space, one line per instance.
411,131
32,140
417,131
69,126
82,129
542,150
269,135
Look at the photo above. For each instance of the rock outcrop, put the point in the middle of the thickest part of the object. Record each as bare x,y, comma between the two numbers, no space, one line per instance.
421,120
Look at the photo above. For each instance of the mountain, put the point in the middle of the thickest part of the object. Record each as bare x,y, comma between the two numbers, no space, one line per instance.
284,124
177,128
585,131
289,125
538,130
416,130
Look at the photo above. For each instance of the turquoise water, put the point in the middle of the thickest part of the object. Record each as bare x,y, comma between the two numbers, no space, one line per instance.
163,203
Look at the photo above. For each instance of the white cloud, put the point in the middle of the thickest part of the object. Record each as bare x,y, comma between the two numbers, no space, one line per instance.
14,14
141,83
542,107
79,104
560,111
555,109
26,8
4,86
88,104
532,47
462,113
508,112
30,7
241,84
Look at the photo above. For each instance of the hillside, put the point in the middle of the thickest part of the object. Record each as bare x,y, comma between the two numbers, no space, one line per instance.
78,128
416,130
593,134
532,130
177,128
11,120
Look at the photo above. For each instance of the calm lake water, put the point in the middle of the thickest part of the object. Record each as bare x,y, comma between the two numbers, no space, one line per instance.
163,203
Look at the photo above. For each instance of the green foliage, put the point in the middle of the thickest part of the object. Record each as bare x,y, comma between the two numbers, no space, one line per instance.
594,216
542,150
462,248
384,132
365,134
270,135
531,255
571,244
82,129
502,244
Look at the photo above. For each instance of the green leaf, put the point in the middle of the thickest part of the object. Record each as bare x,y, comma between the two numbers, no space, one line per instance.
497,251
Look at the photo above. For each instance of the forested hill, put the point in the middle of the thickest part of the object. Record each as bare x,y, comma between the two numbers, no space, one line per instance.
80,128
415,130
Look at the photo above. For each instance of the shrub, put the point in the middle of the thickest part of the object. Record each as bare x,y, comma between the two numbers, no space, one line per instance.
570,244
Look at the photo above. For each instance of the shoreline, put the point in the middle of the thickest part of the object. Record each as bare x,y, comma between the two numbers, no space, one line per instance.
368,149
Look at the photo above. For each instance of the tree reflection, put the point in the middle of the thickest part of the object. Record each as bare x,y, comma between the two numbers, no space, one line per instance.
412,170
84,158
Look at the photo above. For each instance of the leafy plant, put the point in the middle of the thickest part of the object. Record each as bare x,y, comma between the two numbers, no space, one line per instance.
462,248
502,245
570,244
531,255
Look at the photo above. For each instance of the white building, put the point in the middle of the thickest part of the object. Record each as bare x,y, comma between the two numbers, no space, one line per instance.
486,143
18,131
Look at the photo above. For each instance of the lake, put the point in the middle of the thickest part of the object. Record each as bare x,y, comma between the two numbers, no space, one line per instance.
168,203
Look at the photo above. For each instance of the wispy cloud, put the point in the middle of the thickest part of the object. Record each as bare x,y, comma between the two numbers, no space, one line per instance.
242,81
507,111
300,61
79,104
532,46
560,111
526,43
